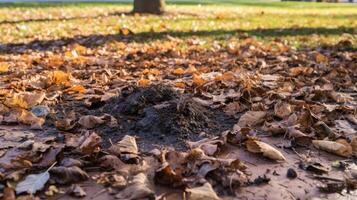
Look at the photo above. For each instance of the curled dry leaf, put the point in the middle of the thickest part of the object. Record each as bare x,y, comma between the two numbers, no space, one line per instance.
33,183
138,189
91,143
282,109
209,146
204,192
126,148
110,162
251,118
268,151
299,137
67,175
90,121
166,175
339,147
30,119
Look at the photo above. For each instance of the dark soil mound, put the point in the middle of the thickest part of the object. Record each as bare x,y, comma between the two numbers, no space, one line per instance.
158,113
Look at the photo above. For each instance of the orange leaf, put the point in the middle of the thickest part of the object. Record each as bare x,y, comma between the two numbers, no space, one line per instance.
180,85
77,88
144,82
178,71
320,58
60,77
4,67
197,80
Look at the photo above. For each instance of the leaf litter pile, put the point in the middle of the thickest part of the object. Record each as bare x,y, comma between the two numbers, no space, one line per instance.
128,120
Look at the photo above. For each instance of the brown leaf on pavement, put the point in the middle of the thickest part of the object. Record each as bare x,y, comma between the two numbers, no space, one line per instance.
265,149
138,189
203,192
339,147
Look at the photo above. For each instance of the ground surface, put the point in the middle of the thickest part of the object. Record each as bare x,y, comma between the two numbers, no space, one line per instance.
256,83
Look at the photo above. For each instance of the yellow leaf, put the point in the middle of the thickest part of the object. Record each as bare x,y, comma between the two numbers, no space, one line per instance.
144,82
26,99
178,71
4,67
60,77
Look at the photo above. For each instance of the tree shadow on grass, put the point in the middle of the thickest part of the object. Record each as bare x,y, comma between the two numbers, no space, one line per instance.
143,37
63,18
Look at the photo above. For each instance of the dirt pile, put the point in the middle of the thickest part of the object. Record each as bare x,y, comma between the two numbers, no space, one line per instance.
160,113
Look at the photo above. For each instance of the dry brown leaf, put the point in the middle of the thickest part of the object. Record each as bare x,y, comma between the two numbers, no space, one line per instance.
90,144
320,58
282,109
125,146
90,121
67,175
26,99
8,194
339,147
251,118
30,119
354,146
204,192
268,151
138,189
209,146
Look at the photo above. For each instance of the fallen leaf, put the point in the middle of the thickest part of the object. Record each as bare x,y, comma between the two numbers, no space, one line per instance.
268,151
178,71
144,82
339,147
204,192
32,183
125,146
90,144
51,191
90,121
25,99
67,175
138,189
4,67
59,77
30,119
76,89
8,194
282,109
251,118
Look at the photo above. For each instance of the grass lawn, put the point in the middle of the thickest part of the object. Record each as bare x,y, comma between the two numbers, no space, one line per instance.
300,24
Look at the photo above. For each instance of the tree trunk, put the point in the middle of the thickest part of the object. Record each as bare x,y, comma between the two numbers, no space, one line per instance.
149,6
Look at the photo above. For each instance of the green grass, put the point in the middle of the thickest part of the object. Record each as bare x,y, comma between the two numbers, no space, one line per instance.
297,23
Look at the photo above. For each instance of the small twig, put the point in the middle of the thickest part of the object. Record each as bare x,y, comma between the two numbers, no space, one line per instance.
326,178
